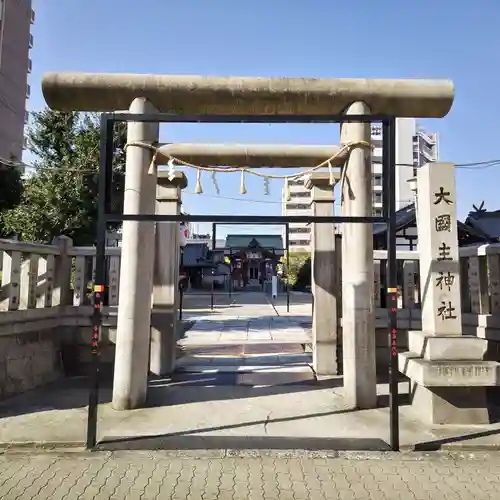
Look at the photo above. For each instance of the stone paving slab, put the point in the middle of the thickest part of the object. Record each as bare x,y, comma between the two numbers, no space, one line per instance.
134,476
190,406
244,329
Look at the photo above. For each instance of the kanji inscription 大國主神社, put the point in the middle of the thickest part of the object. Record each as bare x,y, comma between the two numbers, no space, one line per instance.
445,280
438,245
442,223
446,310
442,196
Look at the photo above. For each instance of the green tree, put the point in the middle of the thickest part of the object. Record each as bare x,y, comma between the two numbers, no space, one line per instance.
11,188
60,197
299,272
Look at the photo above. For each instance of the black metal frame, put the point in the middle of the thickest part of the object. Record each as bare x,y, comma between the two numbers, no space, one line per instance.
104,216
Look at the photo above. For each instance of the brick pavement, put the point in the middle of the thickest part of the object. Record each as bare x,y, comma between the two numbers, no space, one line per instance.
155,475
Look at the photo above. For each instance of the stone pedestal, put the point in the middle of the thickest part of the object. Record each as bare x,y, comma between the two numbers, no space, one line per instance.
164,313
358,315
447,371
324,281
136,271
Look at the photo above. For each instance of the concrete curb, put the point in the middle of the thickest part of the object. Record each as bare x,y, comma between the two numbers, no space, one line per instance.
453,452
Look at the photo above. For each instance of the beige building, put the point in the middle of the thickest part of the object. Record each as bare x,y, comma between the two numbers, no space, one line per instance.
16,17
414,148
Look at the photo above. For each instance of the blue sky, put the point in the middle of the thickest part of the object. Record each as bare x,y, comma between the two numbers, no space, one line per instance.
318,38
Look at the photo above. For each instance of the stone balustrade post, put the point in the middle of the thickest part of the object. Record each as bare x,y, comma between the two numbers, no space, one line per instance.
62,295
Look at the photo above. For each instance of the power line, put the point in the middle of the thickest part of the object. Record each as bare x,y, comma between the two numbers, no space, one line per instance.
472,165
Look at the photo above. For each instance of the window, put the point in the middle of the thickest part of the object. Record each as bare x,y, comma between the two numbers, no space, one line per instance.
28,91
30,64
26,116
377,180
377,198
31,41
32,16
297,206
300,194
299,243
300,230
377,212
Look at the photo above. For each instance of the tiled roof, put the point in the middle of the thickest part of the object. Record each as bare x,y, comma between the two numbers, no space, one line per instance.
485,223
268,241
404,217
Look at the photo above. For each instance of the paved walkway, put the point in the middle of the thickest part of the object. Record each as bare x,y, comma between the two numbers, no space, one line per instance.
245,328
236,396
156,476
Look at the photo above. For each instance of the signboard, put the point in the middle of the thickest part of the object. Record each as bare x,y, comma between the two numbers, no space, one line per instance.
183,234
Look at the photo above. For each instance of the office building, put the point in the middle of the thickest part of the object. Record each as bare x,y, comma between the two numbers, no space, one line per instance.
16,18
414,147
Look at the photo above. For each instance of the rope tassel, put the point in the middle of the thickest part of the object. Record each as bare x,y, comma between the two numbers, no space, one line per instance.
243,188
171,169
330,171
198,189
215,183
152,165
266,186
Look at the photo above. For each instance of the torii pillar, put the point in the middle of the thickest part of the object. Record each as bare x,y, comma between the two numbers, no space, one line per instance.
166,275
324,280
136,270
358,317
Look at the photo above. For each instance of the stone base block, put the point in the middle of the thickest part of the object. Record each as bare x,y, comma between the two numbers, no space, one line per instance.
163,351
451,405
446,348
325,358
449,373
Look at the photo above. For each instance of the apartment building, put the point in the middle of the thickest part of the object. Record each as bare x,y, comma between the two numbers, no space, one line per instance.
414,147
16,18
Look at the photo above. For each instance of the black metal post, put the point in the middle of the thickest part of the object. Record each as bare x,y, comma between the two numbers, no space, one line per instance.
103,207
389,182
214,229
181,285
287,245
230,271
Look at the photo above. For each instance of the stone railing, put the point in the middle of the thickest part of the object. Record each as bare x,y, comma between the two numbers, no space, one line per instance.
46,305
52,283
45,286
480,283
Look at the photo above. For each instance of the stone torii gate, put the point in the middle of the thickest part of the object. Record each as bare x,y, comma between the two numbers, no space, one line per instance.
323,255
200,95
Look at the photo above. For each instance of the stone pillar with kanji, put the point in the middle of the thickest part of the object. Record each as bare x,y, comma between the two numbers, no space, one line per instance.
438,246
448,372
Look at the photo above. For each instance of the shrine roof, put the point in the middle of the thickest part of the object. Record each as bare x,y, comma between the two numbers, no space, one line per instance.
404,217
485,223
267,241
